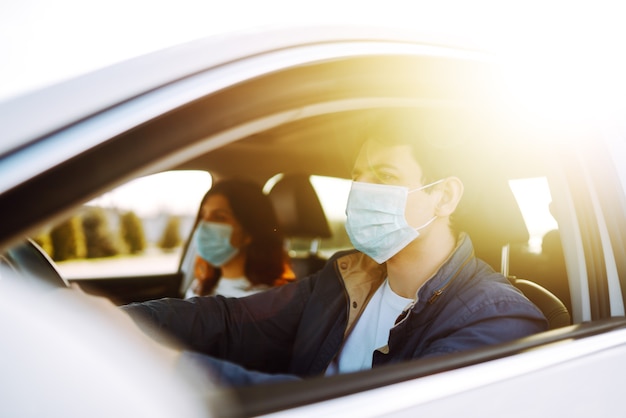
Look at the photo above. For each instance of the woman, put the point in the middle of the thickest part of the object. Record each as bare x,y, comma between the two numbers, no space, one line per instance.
239,243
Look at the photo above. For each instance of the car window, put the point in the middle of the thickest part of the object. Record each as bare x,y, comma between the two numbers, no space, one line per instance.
534,199
136,229
333,194
541,258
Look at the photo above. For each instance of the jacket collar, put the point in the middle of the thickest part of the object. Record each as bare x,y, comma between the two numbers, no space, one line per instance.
449,270
360,272
362,276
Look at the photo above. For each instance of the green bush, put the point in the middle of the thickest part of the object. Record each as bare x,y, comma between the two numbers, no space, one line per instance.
100,240
131,230
68,240
171,234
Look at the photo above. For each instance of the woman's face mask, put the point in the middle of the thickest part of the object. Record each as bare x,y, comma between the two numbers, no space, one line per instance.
376,224
212,241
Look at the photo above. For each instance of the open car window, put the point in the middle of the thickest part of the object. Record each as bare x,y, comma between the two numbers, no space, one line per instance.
137,229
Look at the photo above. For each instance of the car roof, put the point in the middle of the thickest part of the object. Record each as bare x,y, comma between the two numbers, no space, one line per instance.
201,36
34,114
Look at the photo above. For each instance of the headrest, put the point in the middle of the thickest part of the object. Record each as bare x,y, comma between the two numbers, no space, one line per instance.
298,208
492,219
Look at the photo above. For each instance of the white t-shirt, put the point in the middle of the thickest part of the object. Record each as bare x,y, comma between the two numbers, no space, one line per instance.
235,288
371,331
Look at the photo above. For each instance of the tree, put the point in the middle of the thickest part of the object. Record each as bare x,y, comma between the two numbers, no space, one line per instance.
131,230
100,240
68,240
171,234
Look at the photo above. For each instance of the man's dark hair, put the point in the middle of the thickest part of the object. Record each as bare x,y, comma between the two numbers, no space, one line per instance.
429,134
436,139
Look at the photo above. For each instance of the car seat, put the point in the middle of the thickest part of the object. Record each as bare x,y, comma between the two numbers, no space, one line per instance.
554,310
301,216
494,222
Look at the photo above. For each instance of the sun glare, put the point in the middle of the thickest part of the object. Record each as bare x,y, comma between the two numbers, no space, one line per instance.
333,195
574,72
533,197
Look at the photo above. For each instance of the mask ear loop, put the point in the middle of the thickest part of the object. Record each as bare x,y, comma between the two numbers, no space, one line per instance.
430,221
428,185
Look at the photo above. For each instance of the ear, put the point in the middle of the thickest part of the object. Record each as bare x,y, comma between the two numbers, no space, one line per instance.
452,189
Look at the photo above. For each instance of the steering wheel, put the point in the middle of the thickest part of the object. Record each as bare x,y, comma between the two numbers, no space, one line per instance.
32,263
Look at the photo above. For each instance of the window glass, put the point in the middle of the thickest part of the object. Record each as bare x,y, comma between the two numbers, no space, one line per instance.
533,197
333,195
136,229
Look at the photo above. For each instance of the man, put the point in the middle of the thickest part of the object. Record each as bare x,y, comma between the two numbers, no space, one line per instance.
411,289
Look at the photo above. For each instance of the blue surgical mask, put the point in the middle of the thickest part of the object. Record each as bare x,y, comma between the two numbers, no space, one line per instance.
375,219
212,241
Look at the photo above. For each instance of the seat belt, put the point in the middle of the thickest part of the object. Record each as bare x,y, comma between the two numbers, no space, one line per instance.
504,260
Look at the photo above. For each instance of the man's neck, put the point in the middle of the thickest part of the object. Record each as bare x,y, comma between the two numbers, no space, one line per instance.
419,261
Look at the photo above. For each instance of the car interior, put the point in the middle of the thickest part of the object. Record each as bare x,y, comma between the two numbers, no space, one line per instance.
490,213
301,216
490,216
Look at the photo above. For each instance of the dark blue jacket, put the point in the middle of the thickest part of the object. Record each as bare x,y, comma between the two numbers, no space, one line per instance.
299,328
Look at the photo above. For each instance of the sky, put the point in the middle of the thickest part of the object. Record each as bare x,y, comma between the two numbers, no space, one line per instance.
43,42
